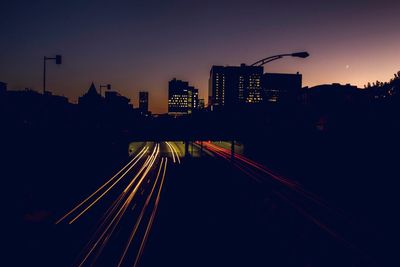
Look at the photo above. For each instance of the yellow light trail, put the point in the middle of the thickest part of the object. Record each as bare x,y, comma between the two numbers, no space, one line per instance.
112,208
134,191
114,222
141,215
140,154
109,212
147,170
105,192
176,152
116,203
116,219
172,152
153,214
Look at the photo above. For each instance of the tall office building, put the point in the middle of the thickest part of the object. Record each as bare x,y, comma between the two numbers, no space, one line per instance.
281,87
144,102
234,85
182,98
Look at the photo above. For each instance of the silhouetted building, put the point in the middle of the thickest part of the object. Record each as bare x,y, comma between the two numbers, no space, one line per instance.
144,102
3,87
91,108
118,110
332,94
31,97
182,98
281,87
56,100
114,100
92,97
334,106
233,85
29,108
113,111
21,99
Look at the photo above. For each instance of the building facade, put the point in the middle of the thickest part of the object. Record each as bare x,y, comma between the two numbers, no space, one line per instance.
231,86
281,87
144,102
182,98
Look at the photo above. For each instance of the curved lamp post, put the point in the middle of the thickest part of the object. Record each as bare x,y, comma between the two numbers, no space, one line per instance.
272,58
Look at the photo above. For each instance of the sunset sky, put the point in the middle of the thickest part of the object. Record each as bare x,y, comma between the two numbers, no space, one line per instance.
140,45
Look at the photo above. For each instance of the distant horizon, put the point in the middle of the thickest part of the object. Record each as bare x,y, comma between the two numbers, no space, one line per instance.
135,97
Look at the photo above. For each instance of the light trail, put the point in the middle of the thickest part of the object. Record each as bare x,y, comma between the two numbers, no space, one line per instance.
108,215
146,235
227,154
174,150
315,220
116,203
129,199
140,154
106,191
153,158
250,168
292,184
115,221
136,226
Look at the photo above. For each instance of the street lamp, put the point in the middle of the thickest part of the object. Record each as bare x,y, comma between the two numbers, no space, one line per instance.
272,58
58,60
108,86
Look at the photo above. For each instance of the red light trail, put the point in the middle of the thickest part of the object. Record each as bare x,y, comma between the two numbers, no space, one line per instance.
261,174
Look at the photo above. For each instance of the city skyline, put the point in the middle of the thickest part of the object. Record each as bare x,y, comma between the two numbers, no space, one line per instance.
345,41
200,133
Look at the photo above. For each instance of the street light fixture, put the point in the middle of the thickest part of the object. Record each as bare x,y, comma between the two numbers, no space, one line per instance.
272,58
301,54
58,59
108,86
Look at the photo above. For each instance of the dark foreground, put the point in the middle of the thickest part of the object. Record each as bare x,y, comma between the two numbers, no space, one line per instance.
210,213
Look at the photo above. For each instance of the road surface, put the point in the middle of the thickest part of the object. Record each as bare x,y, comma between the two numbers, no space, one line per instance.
161,209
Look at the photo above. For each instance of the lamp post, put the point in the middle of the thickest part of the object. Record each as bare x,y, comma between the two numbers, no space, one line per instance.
261,63
58,59
272,58
108,86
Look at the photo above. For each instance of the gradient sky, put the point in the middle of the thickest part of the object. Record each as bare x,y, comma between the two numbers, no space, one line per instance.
140,45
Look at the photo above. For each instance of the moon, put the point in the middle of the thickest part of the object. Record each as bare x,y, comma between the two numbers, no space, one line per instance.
347,66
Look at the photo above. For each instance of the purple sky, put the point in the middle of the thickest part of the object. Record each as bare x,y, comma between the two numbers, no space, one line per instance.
140,45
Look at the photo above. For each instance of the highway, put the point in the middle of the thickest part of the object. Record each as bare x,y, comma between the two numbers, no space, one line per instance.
286,189
136,191
206,210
